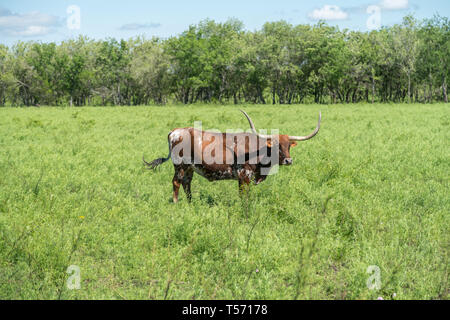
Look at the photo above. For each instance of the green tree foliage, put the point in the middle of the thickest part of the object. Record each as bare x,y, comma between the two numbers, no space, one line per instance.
221,63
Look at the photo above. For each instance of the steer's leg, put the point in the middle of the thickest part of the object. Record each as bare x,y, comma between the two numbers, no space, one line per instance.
177,181
245,175
187,179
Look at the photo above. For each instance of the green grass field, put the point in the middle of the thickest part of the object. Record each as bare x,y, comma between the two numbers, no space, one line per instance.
371,189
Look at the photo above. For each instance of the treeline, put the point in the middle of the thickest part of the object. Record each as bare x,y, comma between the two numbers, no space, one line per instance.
221,63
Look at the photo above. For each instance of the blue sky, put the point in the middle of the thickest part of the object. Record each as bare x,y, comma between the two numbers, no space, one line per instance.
46,20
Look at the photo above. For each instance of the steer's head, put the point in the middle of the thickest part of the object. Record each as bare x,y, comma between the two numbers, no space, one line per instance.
284,147
284,142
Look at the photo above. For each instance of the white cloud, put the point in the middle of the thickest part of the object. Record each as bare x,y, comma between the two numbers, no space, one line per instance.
137,26
328,12
395,4
33,31
27,24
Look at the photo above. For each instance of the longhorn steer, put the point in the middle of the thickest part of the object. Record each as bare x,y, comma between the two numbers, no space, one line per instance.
245,157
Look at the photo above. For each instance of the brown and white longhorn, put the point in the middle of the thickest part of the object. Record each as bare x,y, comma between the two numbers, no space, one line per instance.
245,157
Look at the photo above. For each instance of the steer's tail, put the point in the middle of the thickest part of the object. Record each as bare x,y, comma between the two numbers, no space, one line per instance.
155,163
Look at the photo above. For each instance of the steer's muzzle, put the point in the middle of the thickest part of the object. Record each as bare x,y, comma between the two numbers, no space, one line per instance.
287,161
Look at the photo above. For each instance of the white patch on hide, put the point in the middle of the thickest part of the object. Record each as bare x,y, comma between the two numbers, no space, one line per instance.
175,136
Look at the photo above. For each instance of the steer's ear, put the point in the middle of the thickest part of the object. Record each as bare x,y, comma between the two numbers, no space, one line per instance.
269,143
293,144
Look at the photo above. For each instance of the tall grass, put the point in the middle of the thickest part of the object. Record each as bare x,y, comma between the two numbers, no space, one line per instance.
370,189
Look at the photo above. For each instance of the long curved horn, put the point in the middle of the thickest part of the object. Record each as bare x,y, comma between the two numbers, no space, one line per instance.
300,138
263,136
